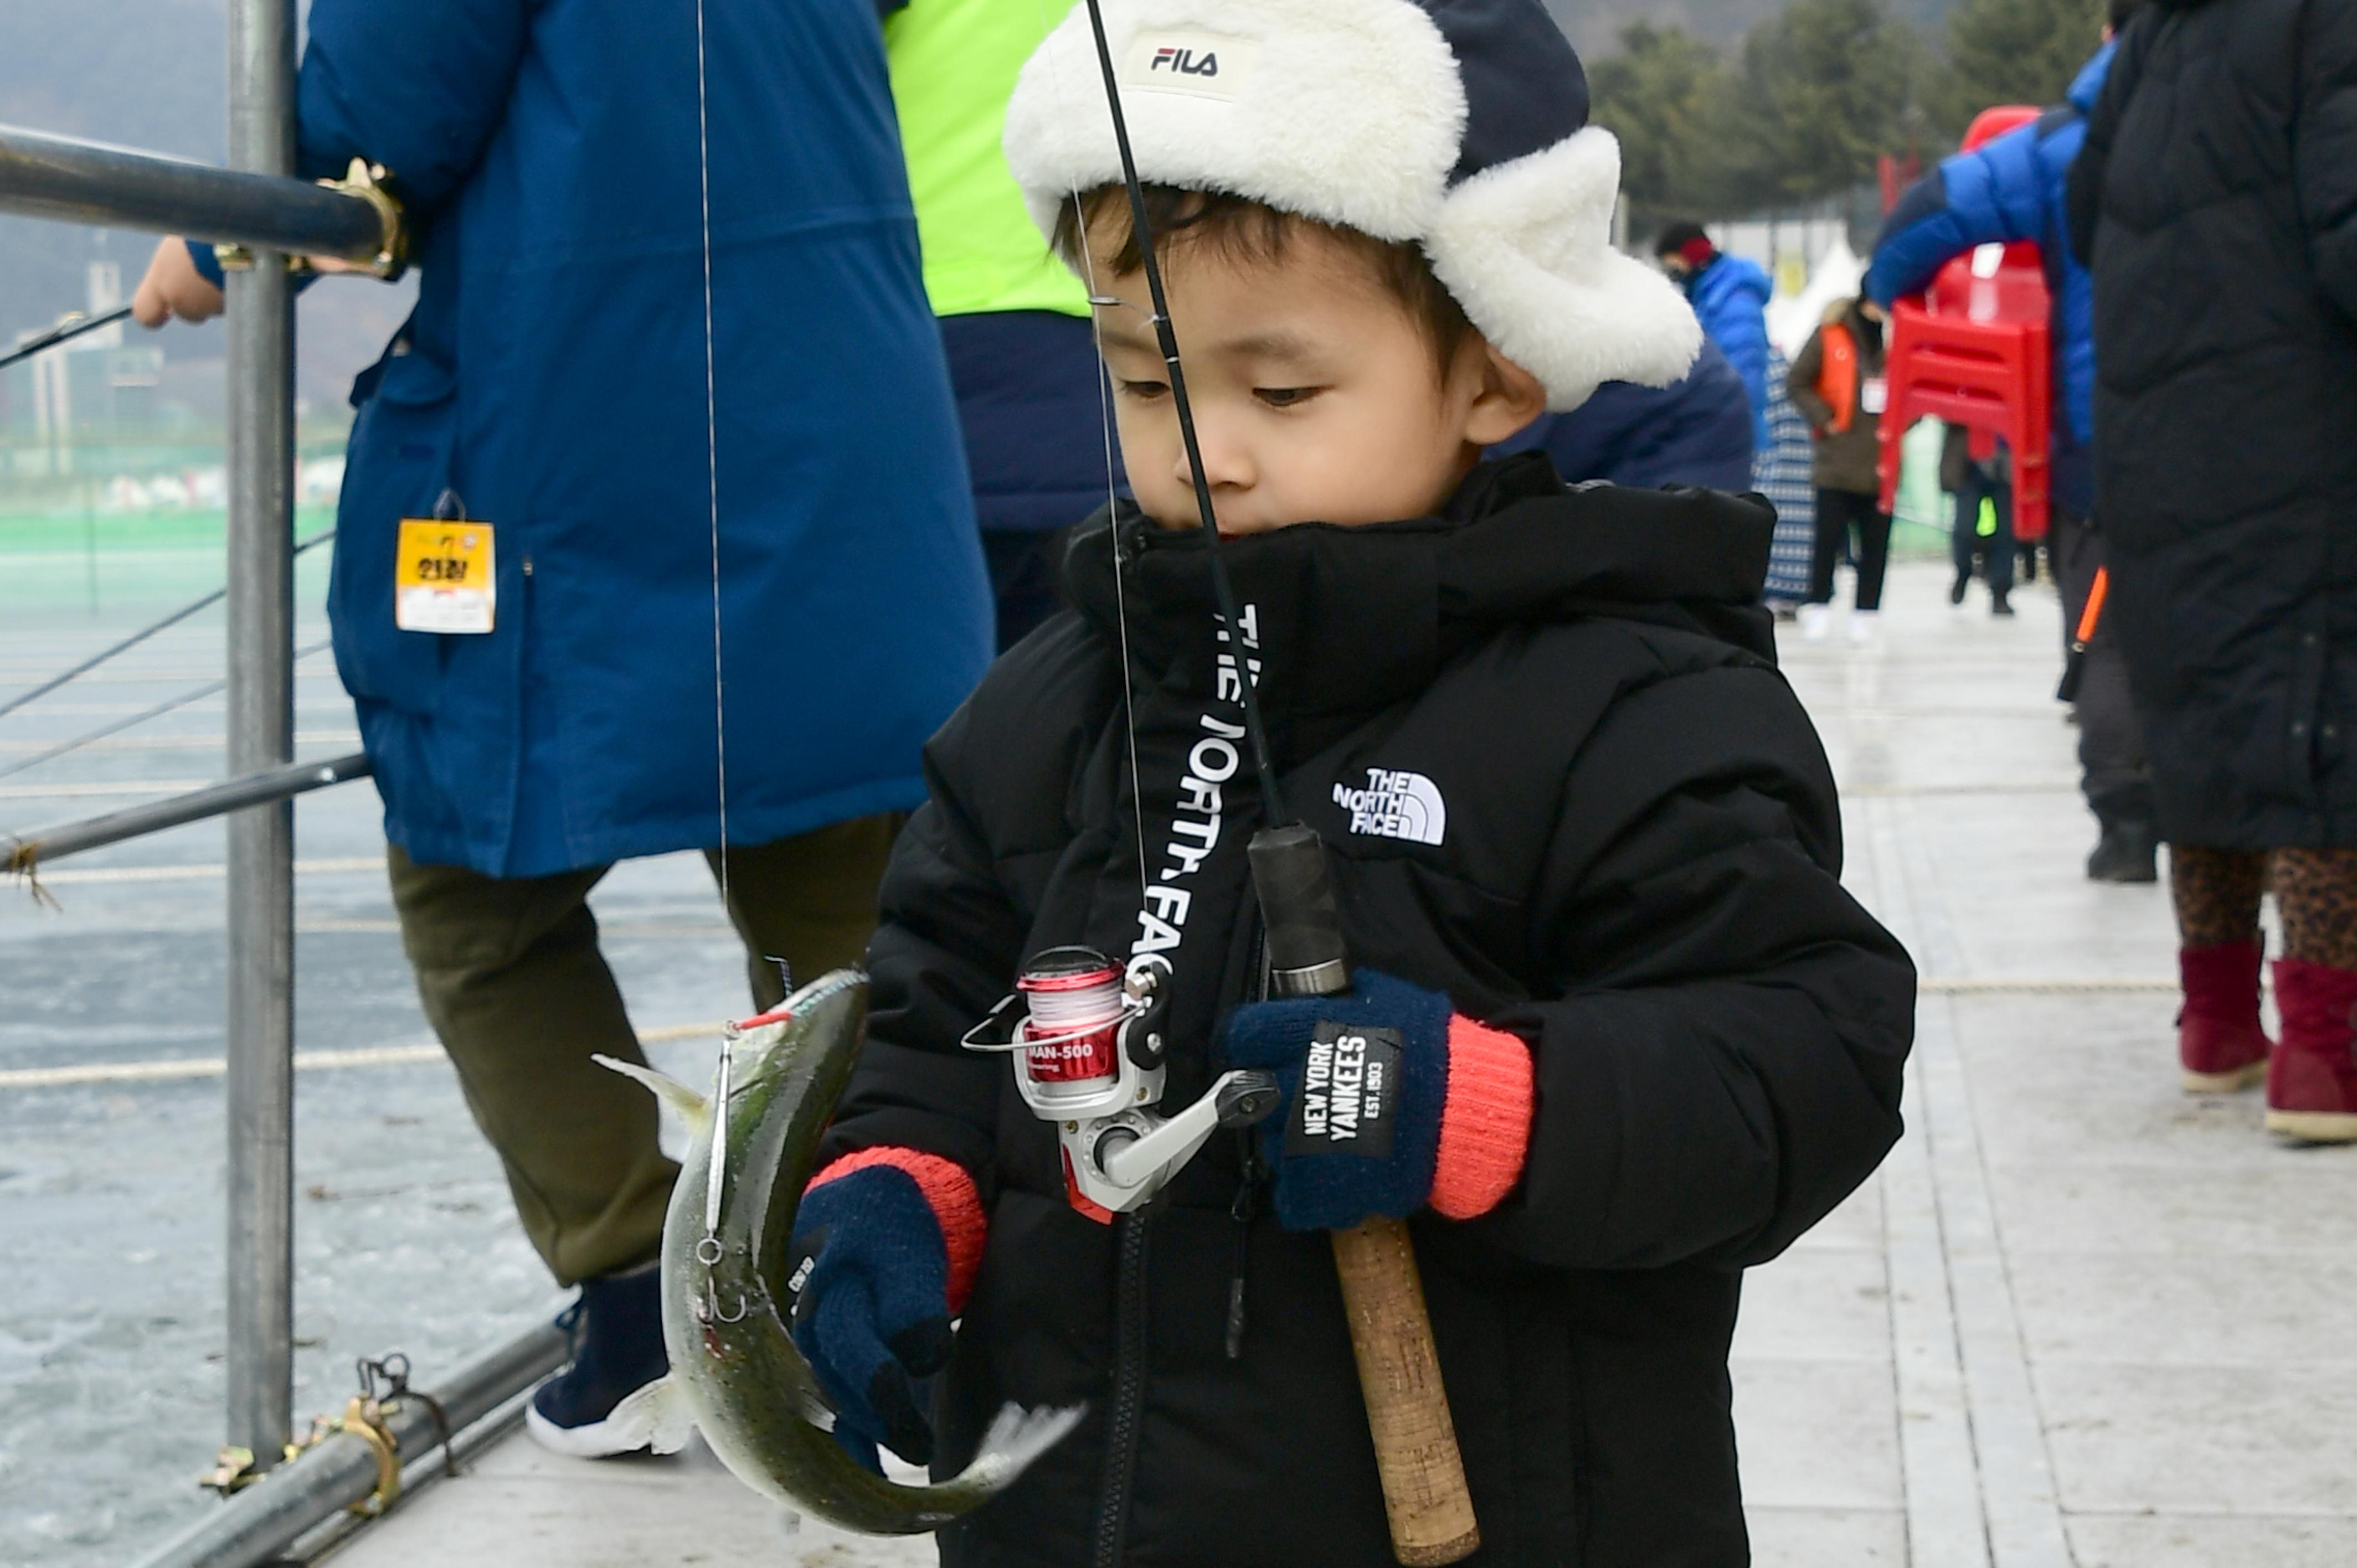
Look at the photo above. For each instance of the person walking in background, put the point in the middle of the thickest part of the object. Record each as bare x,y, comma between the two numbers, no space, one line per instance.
2010,189
2216,202
1838,385
1729,296
550,390
1014,320
1982,527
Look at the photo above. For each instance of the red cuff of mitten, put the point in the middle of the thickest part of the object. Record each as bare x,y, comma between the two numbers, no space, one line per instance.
1485,1124
951,1193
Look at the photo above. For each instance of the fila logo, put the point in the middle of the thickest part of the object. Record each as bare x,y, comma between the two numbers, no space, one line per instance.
1395,804
1192,64
1184,61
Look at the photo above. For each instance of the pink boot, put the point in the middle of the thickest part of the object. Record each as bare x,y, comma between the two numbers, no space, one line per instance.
2219,1041
2312,1082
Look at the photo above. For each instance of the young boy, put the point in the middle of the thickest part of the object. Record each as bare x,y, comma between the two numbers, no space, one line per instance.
1585,841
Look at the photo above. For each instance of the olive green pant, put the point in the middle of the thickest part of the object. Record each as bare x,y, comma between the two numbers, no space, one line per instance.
510,974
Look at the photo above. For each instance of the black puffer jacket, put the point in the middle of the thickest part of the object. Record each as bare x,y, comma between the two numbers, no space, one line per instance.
2216,201
1635,869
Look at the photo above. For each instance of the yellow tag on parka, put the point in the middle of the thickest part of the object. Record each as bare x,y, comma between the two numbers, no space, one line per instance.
443,579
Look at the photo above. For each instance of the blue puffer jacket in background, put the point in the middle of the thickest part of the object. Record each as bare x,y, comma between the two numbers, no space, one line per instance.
1731,296
2009,189
1695,432
553,379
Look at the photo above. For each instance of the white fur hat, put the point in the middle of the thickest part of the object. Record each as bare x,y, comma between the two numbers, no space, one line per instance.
1459,124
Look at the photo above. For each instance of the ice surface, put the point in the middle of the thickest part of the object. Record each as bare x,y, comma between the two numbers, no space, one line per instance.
111,1215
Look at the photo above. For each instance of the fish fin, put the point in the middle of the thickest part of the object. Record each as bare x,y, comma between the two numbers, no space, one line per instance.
1015,1437
694,1107
656,1416
816,1411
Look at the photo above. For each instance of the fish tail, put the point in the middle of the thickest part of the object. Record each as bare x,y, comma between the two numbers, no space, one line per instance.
694,1107
1015,1437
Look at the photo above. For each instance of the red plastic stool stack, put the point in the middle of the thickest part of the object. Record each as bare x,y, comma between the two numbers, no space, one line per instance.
1975,351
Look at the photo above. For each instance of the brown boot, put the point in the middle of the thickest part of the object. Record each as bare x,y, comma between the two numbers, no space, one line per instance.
2312,1082
2218,1042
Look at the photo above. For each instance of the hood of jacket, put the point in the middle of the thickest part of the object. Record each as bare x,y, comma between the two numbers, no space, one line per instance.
1351,619
1846,314
1728,275
2088,85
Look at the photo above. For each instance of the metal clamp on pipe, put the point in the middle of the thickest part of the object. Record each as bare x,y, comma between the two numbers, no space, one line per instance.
372,183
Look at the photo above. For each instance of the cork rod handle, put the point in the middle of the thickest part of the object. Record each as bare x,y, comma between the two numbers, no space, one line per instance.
1407,1409
1431,1511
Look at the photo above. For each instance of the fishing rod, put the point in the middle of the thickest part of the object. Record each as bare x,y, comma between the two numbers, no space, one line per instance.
1075,1063
1288,860
117,727
70,326
136,638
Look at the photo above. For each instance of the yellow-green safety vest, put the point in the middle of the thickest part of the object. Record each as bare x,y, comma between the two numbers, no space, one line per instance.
953,66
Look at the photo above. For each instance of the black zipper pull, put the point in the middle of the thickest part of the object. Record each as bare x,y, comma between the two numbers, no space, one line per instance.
1244,1210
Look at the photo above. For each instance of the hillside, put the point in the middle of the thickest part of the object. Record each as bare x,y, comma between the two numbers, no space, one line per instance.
1593,25
150,73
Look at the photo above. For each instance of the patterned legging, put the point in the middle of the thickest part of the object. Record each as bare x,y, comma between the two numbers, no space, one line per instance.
2217,893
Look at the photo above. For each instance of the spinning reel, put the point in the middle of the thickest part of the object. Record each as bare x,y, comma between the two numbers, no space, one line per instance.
1088,1040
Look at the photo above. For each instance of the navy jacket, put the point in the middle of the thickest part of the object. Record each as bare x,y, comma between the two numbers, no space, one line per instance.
2217,203
1644,883
2014,189
1695,432
554,380
1031,401
1729,297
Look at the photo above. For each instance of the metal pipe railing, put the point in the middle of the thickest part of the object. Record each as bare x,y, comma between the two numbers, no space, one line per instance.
255,204
25,854
260,1522
259,206
260,1080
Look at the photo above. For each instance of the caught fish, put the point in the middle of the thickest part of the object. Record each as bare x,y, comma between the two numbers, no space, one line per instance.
735,1369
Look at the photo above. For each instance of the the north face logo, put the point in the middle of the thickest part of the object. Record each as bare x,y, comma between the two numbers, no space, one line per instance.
1395,804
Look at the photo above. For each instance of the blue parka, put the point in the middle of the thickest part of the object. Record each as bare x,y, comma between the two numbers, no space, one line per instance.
1693,432
1731,296
553,381
2008,189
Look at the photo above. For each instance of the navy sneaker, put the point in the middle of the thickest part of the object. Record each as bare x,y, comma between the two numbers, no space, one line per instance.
617,1350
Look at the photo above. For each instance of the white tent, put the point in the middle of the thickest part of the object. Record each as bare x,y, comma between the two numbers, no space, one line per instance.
1791,317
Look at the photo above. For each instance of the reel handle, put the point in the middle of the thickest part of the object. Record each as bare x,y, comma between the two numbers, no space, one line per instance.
1428,1505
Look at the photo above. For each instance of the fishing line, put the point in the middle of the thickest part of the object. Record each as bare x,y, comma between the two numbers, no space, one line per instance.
1113,496
119,725
1166,337
711,449
136,638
